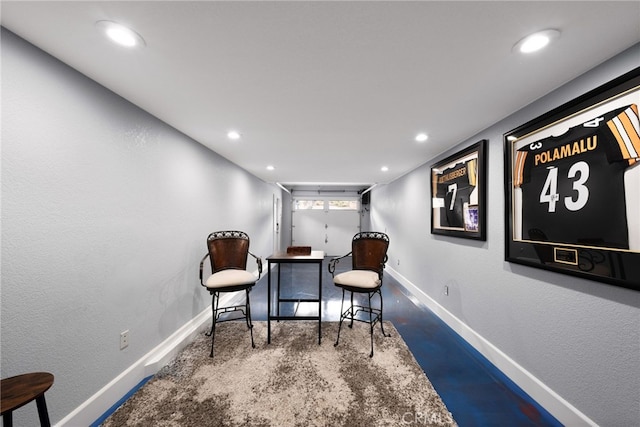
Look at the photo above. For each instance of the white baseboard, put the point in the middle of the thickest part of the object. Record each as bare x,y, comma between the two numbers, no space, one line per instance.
562,410
96,406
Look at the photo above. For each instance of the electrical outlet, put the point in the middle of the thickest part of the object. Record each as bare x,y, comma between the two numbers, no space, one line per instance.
124,339
446,290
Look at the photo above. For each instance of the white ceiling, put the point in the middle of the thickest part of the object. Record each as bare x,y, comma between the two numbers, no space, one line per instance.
329,92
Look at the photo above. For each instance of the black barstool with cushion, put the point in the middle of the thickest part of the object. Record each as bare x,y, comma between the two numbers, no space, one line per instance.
228,252
368,259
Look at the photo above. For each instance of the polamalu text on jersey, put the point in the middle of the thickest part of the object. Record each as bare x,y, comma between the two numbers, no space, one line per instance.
567,150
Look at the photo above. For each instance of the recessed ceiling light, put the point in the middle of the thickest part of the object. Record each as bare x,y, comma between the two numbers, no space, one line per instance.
384,168
536,41
422,137
270,168
234,135
120,34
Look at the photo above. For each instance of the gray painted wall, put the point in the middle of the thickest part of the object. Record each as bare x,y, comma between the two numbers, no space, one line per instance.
581,338
105,212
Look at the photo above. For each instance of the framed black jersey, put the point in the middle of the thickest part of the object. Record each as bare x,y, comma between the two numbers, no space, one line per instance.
573,186
458,194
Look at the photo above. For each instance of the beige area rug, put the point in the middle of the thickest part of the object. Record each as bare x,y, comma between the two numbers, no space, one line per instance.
291,382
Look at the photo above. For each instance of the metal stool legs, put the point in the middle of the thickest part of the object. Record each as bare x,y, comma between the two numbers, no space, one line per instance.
217,311
375,315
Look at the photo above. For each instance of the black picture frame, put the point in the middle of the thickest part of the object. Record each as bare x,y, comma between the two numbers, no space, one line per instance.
572,192
458,194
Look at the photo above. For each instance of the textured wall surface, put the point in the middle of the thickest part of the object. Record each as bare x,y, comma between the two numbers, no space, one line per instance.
581,338
105,212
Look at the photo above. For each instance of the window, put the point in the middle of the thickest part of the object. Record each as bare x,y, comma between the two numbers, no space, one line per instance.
345,205
300,204
326,204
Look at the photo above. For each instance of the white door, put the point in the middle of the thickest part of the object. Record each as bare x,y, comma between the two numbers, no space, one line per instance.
330,231
309,229
342,226
277,220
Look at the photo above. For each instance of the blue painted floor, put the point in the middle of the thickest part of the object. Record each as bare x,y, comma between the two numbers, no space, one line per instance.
475,391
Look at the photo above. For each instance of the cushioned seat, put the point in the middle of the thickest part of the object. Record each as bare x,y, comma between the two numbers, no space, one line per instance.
358,279
226,278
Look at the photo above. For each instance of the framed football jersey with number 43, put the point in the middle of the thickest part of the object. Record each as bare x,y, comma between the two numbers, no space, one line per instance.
573,186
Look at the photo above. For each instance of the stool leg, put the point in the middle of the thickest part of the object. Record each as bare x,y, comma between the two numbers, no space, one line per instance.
370,324
342,316
7,419
248,317
214,304
352,311
213,309
42,411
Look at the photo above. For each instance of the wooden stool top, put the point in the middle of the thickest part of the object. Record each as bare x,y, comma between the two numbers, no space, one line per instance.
19,390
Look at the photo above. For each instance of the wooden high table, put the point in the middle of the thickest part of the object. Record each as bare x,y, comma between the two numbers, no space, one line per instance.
316,257
19,390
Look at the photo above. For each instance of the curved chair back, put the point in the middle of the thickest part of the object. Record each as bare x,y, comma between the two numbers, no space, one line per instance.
228,250
369,251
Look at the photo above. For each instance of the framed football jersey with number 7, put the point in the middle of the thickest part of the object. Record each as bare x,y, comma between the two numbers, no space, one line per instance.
573,186
458,194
